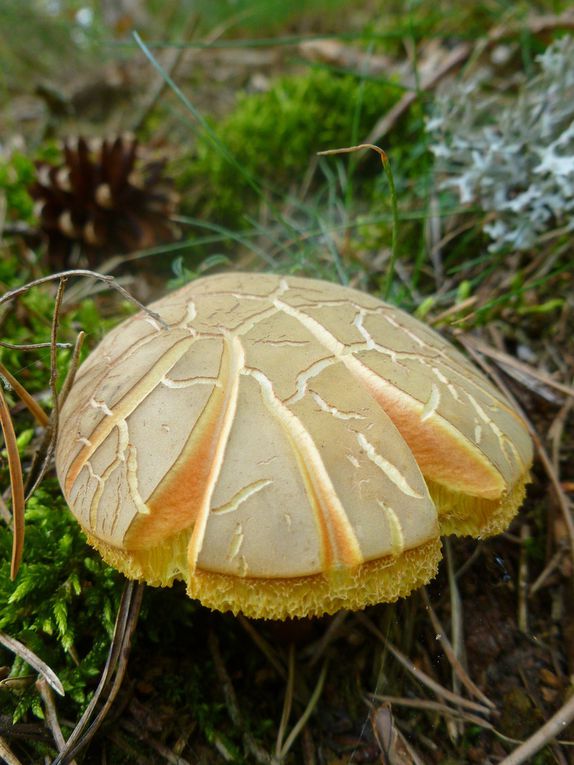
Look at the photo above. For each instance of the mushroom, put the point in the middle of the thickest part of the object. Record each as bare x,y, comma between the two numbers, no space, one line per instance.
287,447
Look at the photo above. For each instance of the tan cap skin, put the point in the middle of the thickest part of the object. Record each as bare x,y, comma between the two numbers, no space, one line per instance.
288,447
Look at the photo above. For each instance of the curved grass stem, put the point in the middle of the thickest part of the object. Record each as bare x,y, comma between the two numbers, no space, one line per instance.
394,235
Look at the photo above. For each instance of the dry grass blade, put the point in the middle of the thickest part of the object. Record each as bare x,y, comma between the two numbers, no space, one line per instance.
548,570
418,674
443,709
16,485
330,634
456,631
34,661
302,721
126,621
506,361
29,401
450,654
548,732
288,703
266,649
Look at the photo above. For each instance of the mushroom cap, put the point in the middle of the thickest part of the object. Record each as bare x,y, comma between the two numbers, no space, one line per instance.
288,447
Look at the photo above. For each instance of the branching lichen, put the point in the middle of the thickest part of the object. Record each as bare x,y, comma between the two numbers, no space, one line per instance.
513,158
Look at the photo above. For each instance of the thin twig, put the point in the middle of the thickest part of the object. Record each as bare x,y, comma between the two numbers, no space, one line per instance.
32,346
34,661
457,57
54,358
109,280
52,433
16,485
226,685
548,570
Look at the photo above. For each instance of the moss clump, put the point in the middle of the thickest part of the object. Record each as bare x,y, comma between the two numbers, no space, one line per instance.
274,135
62,606
17,173
16,176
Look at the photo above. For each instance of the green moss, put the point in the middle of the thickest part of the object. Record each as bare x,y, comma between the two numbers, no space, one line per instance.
274,135
62,605
16,175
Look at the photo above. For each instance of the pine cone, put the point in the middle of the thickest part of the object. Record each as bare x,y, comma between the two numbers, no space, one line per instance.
103,201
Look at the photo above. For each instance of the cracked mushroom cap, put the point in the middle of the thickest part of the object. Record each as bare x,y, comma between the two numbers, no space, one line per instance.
288,447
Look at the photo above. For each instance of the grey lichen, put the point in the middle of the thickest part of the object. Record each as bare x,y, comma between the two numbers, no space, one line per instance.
514,158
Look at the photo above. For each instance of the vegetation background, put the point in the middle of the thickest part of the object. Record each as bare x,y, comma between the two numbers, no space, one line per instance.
229,103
